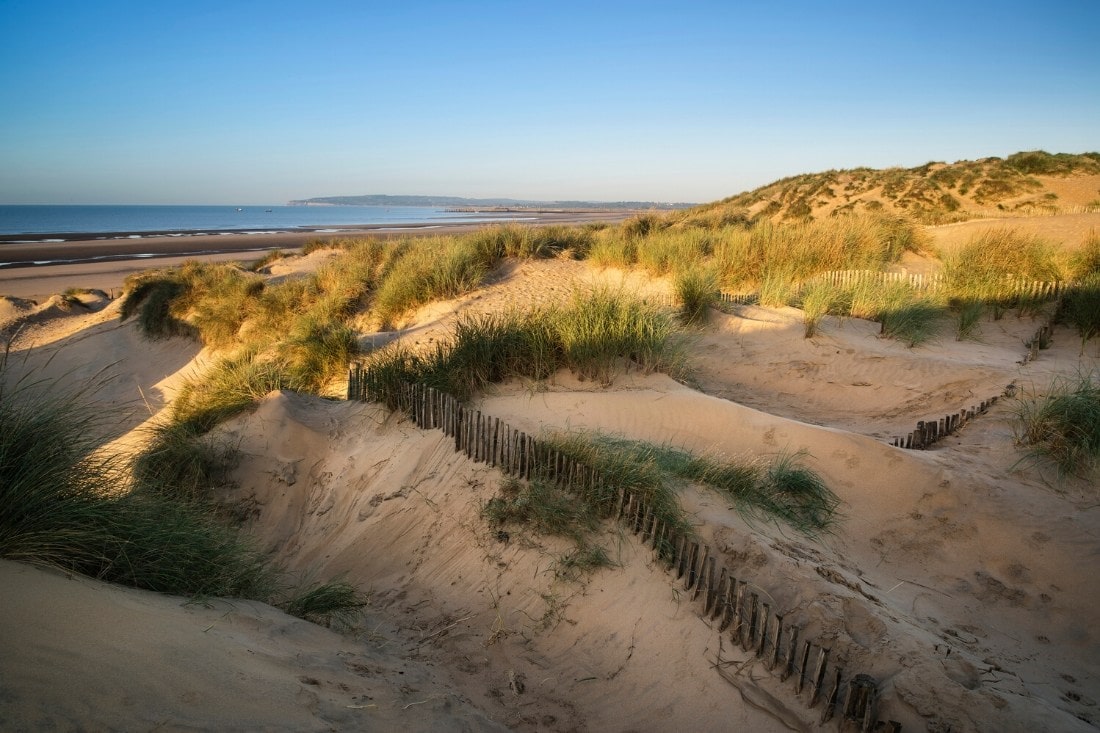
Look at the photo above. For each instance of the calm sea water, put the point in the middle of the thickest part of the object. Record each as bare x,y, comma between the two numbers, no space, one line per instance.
62,220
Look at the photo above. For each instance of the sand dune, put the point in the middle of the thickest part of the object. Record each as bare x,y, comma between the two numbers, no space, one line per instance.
959,578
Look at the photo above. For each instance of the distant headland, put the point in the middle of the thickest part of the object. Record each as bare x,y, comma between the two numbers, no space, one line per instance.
459,202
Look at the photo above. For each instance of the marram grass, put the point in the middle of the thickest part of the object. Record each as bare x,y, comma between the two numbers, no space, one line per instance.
597,335
1063,424
64,504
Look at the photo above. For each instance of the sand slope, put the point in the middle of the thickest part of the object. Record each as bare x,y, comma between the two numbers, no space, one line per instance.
84,655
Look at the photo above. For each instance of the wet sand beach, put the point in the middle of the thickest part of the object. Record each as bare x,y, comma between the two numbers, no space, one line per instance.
35,270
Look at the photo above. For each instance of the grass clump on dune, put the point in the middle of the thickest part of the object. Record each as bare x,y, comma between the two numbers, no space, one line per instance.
60,505
549,510
1081,308
748,254
673,251
229,387
67,505
611,248
426,270
800,251
780,490
1064,424
151,299
909,318
526,242
207,301
335,603
596,335
986,265
1086,261
697,289
602,328
179,459
816,301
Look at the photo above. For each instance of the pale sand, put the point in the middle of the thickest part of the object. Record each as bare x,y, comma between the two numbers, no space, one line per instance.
960,579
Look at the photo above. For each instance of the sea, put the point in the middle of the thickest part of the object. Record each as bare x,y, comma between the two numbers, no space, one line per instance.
57,223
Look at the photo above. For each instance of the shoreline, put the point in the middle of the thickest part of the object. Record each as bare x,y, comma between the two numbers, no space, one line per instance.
37,270
37,250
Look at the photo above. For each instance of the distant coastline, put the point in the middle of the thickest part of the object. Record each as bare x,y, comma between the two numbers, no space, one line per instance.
473,205
70,248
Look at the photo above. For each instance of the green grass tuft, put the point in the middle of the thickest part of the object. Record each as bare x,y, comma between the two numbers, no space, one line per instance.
779,490
60,505
1081,308
597,335
697,289
336,603
1064,424
968,317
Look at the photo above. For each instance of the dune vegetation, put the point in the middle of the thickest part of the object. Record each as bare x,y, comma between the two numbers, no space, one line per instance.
933,193
67,504
300,334
1063,424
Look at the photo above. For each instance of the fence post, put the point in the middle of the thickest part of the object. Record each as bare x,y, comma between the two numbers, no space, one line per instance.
819,676
792,645
802,667
765,616
830,698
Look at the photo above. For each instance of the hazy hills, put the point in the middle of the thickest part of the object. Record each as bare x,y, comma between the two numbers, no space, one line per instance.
460,202
1025,183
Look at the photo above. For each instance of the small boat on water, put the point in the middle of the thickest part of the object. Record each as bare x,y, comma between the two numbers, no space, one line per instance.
239,209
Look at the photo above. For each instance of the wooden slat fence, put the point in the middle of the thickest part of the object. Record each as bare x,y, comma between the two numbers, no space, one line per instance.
929,432
732,605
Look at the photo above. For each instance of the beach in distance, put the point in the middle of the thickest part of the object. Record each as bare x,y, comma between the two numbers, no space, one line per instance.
35,265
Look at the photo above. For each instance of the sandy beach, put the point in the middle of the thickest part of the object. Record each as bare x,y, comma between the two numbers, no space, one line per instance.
959,578
103,261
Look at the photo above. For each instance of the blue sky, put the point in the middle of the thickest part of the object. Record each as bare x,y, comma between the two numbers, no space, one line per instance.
262,102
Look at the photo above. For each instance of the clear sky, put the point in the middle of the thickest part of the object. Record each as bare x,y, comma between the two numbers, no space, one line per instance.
262,102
